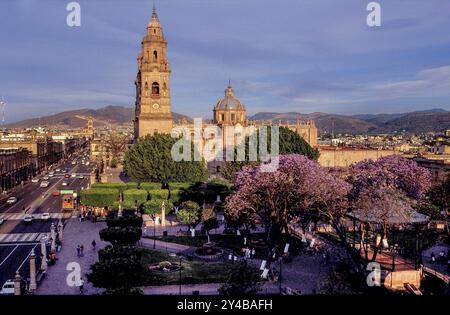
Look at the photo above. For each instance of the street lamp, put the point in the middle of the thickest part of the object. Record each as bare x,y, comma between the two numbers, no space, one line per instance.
179,267
154,230
280,259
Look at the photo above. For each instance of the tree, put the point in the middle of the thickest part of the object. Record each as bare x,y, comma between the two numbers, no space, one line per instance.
209,220
440,195
189,213
242,280
150,159
298,186
383,190
116,273
290,142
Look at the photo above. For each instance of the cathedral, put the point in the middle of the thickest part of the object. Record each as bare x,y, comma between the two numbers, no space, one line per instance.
153,108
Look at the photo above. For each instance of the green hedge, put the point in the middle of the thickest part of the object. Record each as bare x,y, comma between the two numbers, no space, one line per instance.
121,186
154,206
159,194
131,195
99,197
175,195
150,186
179,185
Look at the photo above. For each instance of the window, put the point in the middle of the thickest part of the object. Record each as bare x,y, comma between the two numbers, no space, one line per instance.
233,116
155,55
155,88
222,117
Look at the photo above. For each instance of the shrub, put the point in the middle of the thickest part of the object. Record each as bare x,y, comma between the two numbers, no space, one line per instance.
119,186
175,195
116,273
131,195
99,197
110,252
154,206
159,194
124,221
132,185
121,236
150,186
178,185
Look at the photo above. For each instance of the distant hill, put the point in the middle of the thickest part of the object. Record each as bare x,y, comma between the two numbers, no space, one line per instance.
413,122
109,115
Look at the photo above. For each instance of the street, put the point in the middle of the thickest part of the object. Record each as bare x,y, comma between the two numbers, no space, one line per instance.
18,238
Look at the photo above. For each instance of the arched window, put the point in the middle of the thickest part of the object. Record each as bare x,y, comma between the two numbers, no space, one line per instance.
155,55
146,85
164,86
155,88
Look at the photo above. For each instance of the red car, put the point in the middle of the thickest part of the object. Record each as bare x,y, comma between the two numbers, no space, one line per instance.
55,193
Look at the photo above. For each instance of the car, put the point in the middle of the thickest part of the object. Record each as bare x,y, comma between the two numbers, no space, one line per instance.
28,218
45,178
65,183
73,162
63,171
2,221
44,184
35,180
45,216
11,200
51,175
58,170
8,287
55,193
67,176
80,177
73,175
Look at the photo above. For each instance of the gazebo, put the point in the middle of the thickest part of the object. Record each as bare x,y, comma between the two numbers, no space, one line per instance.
380,220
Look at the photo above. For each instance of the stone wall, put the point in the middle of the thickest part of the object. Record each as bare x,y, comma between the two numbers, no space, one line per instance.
344,157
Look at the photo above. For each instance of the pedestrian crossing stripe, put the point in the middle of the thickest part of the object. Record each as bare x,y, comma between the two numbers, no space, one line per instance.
22,237
20,216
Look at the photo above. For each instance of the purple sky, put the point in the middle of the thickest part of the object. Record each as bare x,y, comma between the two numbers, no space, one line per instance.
284,55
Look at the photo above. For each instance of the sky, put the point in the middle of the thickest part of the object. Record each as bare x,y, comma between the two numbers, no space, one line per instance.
280,55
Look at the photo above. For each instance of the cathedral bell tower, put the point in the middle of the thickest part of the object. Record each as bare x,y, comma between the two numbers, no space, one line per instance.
152,113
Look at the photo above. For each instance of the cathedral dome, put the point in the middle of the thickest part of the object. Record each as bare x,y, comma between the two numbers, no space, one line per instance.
229,102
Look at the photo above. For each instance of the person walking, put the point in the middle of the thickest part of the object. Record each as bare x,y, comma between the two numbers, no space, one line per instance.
81,250
78,251
93,244
81,286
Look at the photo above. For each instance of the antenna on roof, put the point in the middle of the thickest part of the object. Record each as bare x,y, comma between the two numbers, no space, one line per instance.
3,105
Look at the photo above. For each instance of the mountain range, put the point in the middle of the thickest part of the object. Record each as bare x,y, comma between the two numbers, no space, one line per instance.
412,122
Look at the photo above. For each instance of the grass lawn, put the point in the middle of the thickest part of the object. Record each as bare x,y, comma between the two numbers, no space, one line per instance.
191,272
232,242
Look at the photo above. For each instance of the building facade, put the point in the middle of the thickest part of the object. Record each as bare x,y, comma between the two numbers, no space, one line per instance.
153,107
152,111
16,166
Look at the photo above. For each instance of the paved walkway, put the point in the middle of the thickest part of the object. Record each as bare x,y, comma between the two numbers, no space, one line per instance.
440,264
75,233
166,246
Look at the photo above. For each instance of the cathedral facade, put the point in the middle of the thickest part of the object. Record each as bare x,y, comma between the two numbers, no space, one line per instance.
153,108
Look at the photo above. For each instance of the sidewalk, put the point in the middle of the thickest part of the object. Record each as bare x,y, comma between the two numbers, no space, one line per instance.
75,233
160,245
186,289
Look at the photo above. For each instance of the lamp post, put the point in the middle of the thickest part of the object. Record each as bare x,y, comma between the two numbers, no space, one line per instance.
154,230
279,276
181,258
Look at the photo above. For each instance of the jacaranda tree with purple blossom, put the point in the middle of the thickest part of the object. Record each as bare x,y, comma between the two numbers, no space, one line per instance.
298,191
383,192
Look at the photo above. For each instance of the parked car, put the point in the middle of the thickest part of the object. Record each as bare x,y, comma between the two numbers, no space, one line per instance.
45,184
67,176
65,183
45,178
35,180
73,175
11,200
8,287
2,221
28,218
80,176
58,170
45,216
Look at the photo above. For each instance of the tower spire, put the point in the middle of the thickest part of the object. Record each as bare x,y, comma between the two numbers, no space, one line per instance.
154,12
